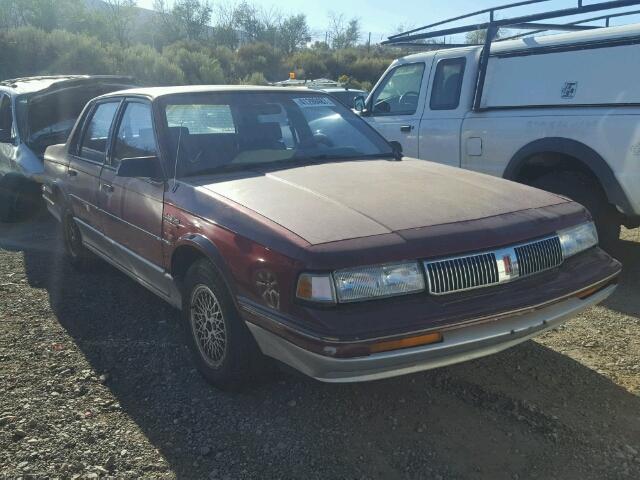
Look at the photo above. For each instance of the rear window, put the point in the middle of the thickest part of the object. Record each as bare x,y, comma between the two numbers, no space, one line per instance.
447,84
201,119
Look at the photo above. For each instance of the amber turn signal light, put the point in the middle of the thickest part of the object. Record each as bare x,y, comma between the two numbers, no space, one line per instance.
418,341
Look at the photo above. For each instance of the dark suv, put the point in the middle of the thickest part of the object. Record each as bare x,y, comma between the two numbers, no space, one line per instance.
36,112
281,224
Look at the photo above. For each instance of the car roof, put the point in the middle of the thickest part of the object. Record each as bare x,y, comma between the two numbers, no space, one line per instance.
340,89
156,92
40,83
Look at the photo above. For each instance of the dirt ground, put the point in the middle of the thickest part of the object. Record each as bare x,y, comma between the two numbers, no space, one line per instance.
94,382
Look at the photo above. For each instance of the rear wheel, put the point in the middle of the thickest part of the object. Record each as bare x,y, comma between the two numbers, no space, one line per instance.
81,259
584,190
221,346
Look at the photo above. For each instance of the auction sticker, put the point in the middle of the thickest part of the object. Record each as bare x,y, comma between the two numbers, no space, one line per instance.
311,102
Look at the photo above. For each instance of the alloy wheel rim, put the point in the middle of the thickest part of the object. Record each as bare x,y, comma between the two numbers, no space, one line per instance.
208,326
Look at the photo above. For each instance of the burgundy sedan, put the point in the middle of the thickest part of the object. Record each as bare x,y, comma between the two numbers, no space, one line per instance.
282,225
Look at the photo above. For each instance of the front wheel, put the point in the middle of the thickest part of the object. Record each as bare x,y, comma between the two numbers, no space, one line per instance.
221,346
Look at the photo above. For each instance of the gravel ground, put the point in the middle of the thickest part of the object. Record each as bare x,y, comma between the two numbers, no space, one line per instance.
94,382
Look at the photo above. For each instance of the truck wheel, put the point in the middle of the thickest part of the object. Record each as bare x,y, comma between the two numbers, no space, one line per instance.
582,189
81,259
221,346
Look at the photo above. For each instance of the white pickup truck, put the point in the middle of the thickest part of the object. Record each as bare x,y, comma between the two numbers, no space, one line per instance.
559,112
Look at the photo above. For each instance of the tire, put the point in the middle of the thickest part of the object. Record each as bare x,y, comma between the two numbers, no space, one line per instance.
13,198
79,256
581,188
221,346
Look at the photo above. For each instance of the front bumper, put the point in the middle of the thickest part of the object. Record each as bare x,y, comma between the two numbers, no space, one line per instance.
460,343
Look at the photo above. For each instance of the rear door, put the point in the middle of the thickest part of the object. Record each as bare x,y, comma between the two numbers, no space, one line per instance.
445,111
397,104
87,157
133,206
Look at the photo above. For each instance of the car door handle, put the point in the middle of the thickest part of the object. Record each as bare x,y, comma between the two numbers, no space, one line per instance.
72,173
107,188
406,128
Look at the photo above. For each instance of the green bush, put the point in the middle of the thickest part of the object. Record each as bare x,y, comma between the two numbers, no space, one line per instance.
27,51
256,78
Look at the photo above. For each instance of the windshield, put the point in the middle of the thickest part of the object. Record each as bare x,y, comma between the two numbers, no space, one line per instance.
221,131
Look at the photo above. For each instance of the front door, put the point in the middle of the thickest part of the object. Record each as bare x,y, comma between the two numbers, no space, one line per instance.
397,104
133,206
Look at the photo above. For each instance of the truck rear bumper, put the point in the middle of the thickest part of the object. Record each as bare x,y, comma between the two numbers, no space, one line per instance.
459,344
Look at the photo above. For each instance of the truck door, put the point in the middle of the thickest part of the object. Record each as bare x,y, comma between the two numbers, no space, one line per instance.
133,206
397,104
441,123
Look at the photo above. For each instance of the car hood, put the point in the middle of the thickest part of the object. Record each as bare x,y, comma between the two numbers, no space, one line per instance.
337,201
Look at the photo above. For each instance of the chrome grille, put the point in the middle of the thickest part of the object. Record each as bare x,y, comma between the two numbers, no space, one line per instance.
539,256
457,274
462,273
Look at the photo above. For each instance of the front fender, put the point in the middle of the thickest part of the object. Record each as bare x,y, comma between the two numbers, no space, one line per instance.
209,250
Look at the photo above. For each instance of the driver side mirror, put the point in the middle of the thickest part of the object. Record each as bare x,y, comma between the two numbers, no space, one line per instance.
359,104
140,167
396,148
5,135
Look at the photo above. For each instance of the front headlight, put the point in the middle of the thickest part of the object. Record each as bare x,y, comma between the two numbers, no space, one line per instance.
577,239
365,283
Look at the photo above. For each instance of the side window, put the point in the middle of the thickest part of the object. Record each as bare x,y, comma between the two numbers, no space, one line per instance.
447,84
96,134
6,118
135,136
400,91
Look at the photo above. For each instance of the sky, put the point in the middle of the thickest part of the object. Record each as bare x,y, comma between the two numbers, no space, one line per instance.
383,17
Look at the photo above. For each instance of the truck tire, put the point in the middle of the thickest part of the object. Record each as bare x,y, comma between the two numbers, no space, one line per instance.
579,187
79,256
221,345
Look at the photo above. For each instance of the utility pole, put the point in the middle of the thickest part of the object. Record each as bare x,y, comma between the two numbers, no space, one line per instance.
369,44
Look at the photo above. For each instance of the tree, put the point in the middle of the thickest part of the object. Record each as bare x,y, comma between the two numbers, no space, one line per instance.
343,33
46,15
477,37
186,19
294,33
119,16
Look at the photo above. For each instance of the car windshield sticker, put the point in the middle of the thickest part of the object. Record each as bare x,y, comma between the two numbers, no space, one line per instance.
311,102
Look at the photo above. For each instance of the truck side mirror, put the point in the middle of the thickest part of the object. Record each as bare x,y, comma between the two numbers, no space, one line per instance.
140,167
359,103
396,148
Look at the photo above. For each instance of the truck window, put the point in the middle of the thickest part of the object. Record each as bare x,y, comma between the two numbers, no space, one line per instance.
400,90
447,84
135,136
6,118
94,142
